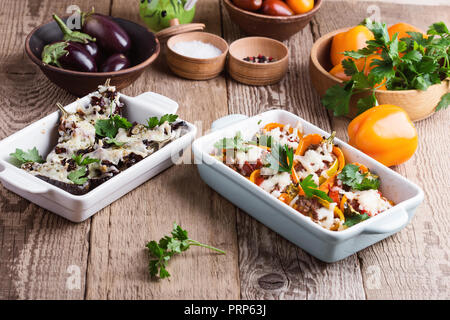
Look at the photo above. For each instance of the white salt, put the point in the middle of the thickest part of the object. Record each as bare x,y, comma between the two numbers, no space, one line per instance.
196,49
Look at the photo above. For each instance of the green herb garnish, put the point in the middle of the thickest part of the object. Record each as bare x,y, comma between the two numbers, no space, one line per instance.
114,142
20,157
154,121
78,176
167,247
413,62
109,127
281,158
79,160
355,219
310,188
352,177
236,143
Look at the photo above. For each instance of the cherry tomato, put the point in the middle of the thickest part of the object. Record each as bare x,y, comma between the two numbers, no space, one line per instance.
250,5
276,8
300,6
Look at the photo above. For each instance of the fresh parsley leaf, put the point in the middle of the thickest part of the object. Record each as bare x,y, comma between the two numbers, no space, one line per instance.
438,28
355,219
78,176
444,103
366,103
236,143
337,98
310,188
281,158
109,127
114,142
79,160
352,177
154,121
20,157
167,247
350,67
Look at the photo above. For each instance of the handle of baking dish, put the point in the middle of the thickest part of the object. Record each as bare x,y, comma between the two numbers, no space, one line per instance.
399,221
227,121
159,102
18,181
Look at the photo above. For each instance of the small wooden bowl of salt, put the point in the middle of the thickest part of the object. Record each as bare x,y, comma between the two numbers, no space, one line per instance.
196,55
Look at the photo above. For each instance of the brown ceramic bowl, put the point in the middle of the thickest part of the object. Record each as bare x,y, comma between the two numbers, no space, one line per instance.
196,68
144,50
418,104
258,73
280,28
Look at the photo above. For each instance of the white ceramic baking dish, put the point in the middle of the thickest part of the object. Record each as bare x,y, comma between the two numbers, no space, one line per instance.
328,246
43,135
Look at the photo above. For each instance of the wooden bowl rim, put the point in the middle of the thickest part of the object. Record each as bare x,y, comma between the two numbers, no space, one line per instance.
223,55
133,69
259,65
321,69
317,4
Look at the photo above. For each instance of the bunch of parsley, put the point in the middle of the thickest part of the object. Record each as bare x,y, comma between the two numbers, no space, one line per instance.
414,62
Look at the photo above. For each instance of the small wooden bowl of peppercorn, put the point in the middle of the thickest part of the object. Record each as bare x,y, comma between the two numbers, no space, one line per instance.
274,23
258,61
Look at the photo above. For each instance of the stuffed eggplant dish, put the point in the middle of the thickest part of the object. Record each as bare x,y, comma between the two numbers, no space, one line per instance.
308,172
96,143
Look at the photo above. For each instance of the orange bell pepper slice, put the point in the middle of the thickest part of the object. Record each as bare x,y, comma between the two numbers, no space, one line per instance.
273,125
329,183
256,178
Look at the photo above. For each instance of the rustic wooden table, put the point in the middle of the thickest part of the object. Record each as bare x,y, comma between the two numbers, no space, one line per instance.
41,254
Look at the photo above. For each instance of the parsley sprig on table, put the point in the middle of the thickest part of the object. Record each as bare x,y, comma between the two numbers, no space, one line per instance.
352,177
310,188
20,157
167,247
414,62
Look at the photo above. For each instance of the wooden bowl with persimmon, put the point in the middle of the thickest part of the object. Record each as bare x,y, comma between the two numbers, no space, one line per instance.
257,23
418,104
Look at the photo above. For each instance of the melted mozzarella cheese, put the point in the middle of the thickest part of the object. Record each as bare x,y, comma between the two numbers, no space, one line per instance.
314,160
283,137
369,201
251,156
325,216
276,183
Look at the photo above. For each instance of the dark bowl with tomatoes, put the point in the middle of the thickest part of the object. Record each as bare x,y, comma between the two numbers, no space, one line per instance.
277,27
144,50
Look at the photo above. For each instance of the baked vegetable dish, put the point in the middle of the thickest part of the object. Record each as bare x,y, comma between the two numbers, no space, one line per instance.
96,143
307,172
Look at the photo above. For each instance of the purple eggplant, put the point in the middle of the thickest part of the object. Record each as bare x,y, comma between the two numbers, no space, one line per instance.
69,55
115,62
93,50
108,34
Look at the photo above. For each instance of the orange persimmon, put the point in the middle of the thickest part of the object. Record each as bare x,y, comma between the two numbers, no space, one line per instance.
385,133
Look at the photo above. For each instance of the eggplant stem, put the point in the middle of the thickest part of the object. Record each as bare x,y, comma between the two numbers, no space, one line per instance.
63,111
64,28
107,82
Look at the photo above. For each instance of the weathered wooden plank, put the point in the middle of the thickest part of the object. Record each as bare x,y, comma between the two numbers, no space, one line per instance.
270,266
414,263
37,247
118,257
